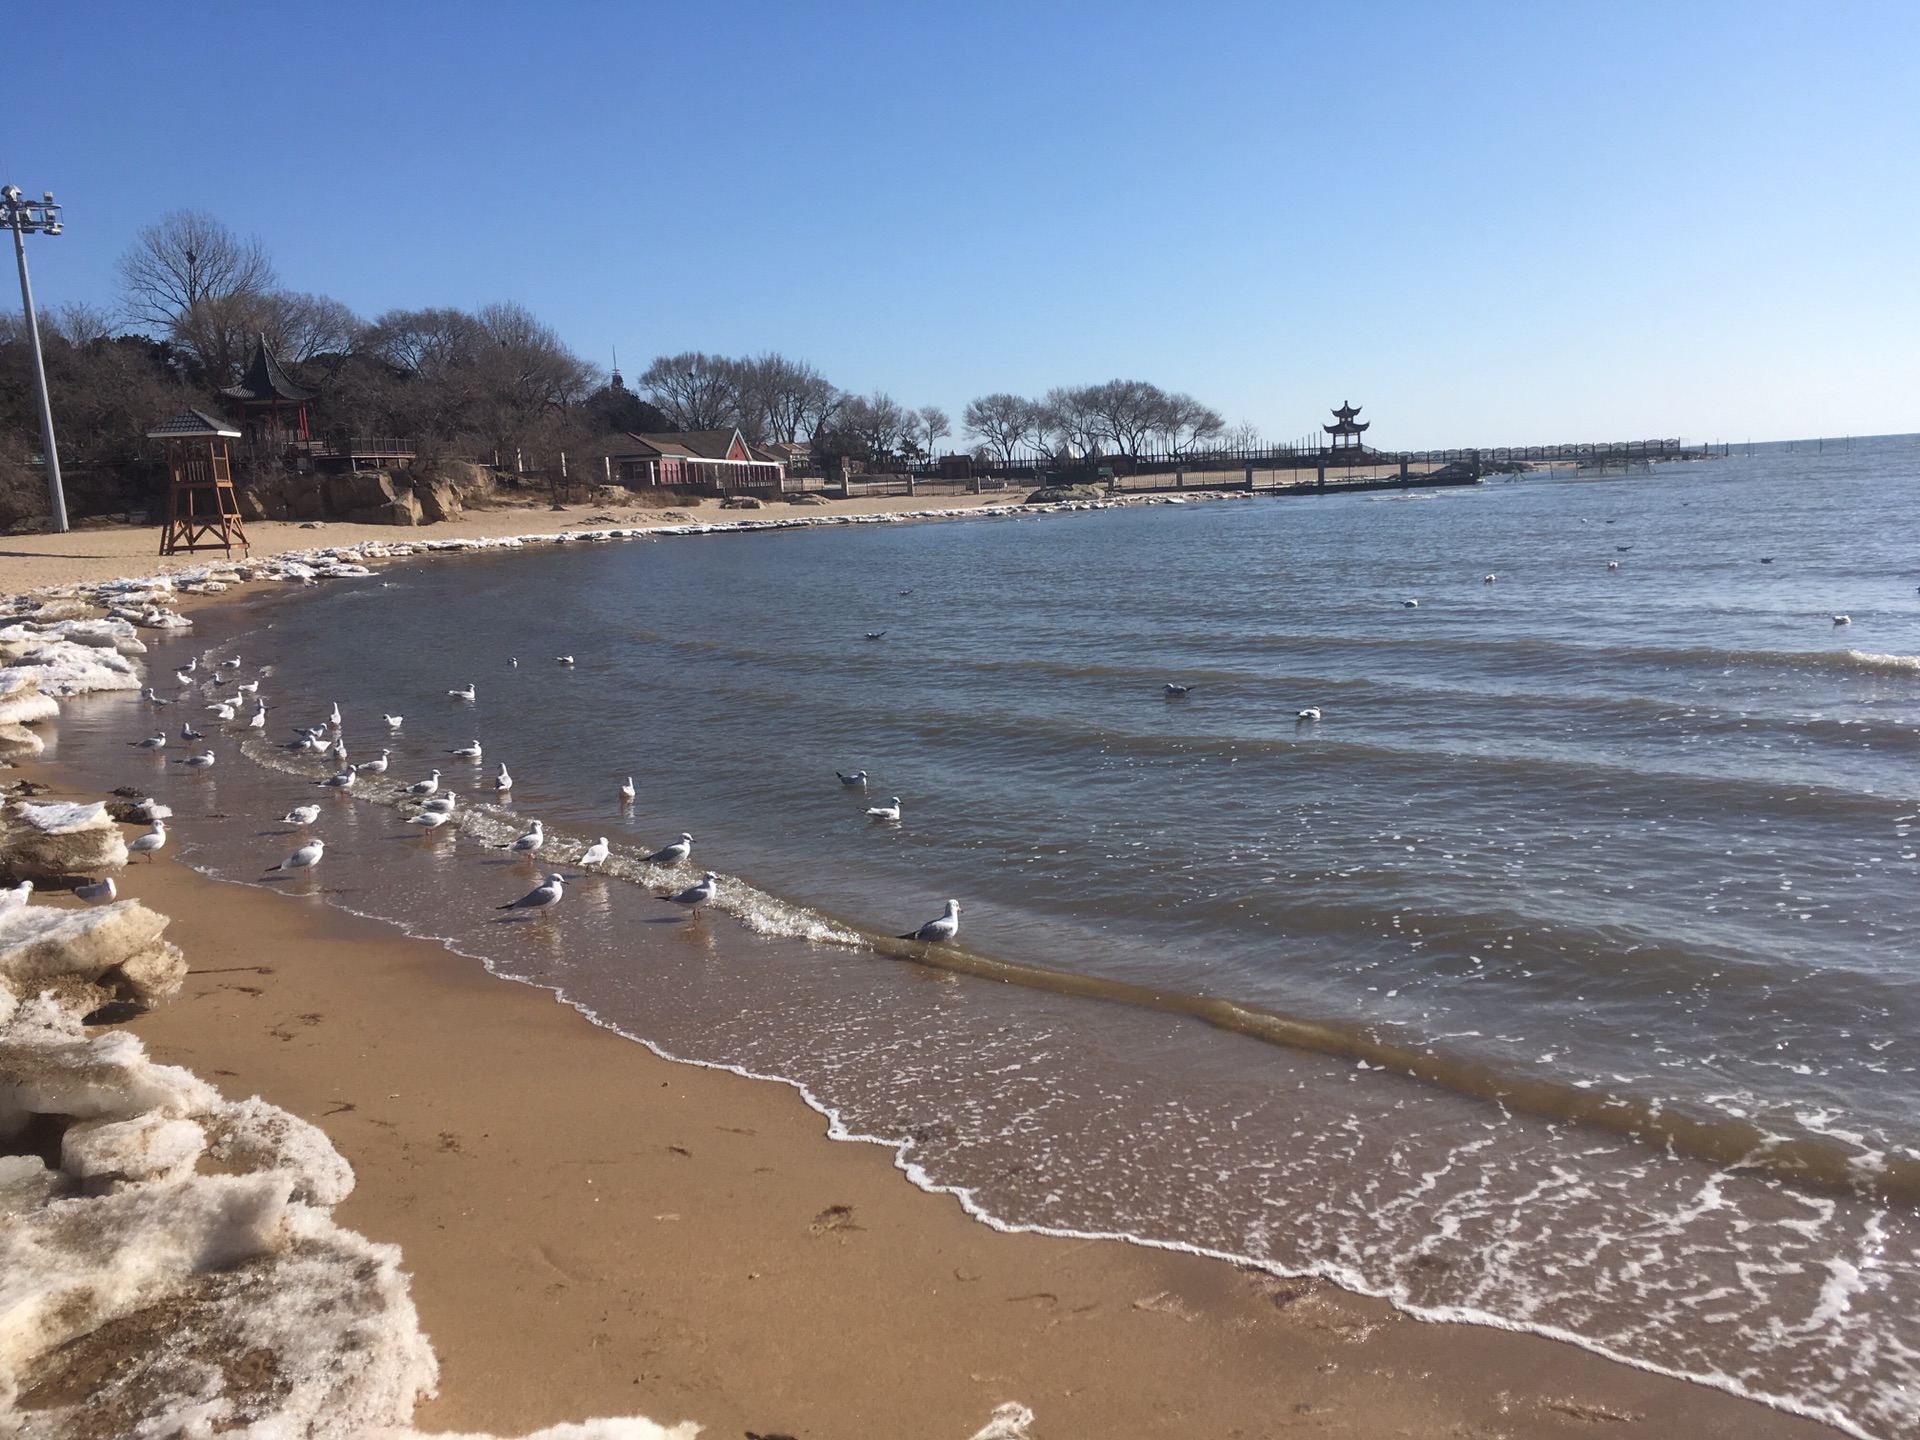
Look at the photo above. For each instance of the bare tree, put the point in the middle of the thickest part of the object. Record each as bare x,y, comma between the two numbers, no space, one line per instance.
1007,423
697,391
875,427
1126,412
186,261
1244,436
1070,426
1184,423
303,327
782,399
933,424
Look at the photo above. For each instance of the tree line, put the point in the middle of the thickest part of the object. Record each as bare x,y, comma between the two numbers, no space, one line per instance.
495,381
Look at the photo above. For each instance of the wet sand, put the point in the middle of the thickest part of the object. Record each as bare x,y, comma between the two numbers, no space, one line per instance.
592,1230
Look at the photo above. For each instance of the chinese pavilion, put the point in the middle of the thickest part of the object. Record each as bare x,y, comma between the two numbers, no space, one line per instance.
1346,433
203,512
267,405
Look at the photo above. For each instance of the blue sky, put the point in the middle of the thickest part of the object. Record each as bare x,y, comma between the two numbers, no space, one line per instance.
1487,223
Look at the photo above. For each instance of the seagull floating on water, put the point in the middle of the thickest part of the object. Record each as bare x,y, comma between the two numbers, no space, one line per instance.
183,677
306,857
595,854
1310,714
394,721
1843,619
198,762
426,786
543,897
466,694
154,839
96,890
1488,578
563,659
858,778
627,791
301,815
1174,692
876,634
503,781
1410,604
890,811
468,751
943,927
673,854
698,894
375,767
333,716
1613,564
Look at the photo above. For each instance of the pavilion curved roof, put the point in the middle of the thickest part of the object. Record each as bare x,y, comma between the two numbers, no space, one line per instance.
265,380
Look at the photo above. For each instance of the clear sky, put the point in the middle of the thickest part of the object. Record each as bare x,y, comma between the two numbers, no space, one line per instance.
1486,223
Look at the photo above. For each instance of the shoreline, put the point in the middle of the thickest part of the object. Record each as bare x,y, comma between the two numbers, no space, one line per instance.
1213,1297
575,1207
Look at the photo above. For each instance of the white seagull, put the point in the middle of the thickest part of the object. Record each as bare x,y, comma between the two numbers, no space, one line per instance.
627,791
306,857
340,780
889,811
1308,715
697,895
394,722
426,786
187,732
563,659
542,897
1410,604
430,819
1174,691
466,694
146,844
183,677
201,761
1613,564
1488,578
529,842
944,927
375,767
1843,619
155,741
503,781
96,890
301,815
333,716
468,751
222,712
252,687
258,720
148,695
15,898
596,854
441,804
857,779
673,854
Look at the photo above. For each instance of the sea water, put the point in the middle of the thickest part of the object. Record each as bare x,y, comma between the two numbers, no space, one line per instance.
1564,974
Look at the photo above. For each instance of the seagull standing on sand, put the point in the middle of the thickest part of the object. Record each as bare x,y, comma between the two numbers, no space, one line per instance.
596,854
301,815
889,811
673,854
306,857
627,791
857,780
542,898
697,895
96,890
15,898
466,694
426,786
155,741
375,767
535,837
944,927
154,839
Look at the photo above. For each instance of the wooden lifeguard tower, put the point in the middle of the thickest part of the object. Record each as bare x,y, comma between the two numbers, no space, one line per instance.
203,513
1347,430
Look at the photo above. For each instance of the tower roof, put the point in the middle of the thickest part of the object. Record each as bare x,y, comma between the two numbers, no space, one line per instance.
192,425
265,380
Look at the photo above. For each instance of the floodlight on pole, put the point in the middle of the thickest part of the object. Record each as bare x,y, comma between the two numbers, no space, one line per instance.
42,217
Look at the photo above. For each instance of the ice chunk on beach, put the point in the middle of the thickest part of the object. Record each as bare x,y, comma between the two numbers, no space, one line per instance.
117,945
63,817
48,1069
147,1147
253,1135
67,668
76,843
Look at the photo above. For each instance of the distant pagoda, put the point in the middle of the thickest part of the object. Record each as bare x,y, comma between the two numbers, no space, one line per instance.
1347,431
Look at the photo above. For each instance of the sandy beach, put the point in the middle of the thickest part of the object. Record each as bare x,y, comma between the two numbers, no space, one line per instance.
592,1230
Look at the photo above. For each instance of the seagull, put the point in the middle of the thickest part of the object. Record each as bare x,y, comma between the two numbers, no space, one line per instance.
503,781
1174,692
889,811
441,804
155,741
529,842
15,898
231,663
147,695
146,844
596,854
306,857
563,659
301,815
187,732
222,712
855,780
1766,559
697,895
394,721
333,716
1311,713
906,592
258,720
375,767
1843,619
466,694
430,819
252,687
542,897
193,664
1410,604
342,780
1623,548
183,677
202,761
96,890
876,634
426,786
338,749
468,751
513,662
627,791
1488,578
1613,564
673,854
944,928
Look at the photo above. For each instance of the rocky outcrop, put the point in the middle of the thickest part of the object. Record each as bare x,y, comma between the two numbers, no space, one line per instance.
1058,494
57,845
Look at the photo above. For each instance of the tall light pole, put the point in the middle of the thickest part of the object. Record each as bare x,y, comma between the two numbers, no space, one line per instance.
21,216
